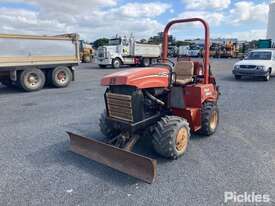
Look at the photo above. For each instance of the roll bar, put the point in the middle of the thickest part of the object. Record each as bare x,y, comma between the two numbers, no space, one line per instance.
206,42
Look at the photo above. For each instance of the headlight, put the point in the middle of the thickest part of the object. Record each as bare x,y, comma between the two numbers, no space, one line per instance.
261,67
236,66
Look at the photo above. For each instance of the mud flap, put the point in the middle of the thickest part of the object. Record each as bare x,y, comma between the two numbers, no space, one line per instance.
122,160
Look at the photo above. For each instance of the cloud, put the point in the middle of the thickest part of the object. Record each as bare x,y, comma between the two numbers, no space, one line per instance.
25,21
78,6
143,9
213,18
253,34
109,27
91,18
245,11
206,4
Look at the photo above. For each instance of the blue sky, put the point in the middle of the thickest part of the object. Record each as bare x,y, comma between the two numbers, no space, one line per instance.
98,18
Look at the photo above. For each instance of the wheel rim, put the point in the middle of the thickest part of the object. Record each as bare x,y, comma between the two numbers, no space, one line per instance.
116,63
61,77
214,120
146,62
33,79
182,139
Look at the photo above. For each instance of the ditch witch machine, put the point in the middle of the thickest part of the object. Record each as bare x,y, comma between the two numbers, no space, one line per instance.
168,101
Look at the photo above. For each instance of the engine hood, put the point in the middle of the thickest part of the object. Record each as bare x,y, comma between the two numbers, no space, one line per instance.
152,77
266,63
110,49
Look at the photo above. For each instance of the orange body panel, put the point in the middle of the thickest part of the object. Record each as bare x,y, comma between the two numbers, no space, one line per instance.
152,77
194,97
192,115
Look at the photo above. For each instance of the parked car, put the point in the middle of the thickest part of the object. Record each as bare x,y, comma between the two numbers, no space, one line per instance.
258,63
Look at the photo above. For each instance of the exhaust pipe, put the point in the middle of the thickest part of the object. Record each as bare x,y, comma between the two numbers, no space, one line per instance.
130,163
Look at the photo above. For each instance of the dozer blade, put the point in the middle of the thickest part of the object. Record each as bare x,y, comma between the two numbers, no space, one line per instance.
124,161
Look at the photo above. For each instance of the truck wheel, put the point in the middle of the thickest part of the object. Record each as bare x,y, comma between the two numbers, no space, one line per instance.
116,63
106,128
209,118
31,80
145,62
60,77
171,136
154,61
238,77
102,66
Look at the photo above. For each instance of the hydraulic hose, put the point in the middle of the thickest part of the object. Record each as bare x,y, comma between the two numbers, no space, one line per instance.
150,96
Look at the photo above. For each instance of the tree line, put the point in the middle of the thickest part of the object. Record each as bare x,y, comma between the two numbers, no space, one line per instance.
157,39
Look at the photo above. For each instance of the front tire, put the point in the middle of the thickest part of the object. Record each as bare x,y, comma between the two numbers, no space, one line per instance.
209,118
31,80
60,77
116,63
267,77
106,128
171,136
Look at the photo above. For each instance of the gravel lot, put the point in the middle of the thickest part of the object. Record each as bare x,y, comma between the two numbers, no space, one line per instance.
37,168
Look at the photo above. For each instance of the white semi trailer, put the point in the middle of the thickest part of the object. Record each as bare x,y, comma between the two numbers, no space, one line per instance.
123,51
189,52
29,61
183,50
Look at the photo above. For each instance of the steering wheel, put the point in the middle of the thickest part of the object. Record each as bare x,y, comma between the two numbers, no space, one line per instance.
171,65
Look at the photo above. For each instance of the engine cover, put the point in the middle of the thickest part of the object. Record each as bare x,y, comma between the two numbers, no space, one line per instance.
148,77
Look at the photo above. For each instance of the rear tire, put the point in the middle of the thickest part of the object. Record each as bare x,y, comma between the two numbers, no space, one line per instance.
209,118
116,63
238,77
154,61
145,62
60,77
106,128
31,80
171,136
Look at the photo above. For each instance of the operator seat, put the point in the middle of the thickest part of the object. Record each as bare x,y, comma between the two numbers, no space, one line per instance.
184,72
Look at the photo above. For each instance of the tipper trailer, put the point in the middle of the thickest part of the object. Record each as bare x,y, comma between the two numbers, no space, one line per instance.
30,61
